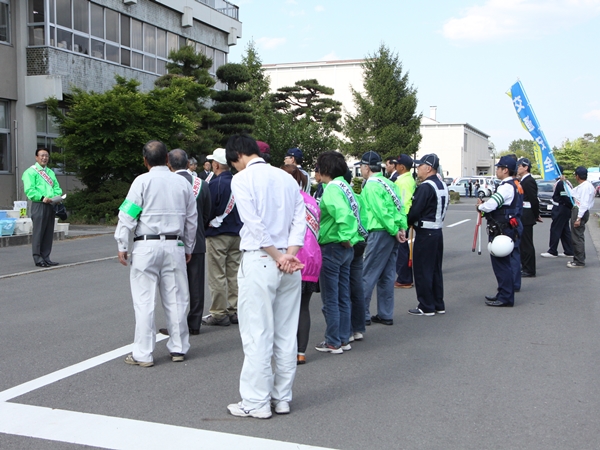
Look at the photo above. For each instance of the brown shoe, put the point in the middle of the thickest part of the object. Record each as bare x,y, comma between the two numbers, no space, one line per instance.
403,286
163,331
301,360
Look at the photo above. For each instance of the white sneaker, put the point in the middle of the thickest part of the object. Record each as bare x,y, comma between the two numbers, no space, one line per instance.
281,407
346,347
562,255
357,336
548,255
236,409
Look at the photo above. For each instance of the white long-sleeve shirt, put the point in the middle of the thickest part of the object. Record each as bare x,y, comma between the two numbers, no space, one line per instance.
167,204
504,195
583,194
270,206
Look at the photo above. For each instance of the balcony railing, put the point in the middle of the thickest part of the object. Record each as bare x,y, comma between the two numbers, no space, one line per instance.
224,7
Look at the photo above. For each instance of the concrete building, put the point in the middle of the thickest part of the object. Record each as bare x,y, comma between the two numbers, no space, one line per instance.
47,47
462,148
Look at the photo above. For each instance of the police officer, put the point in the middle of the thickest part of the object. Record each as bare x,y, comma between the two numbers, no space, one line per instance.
502,211
531,215
426,215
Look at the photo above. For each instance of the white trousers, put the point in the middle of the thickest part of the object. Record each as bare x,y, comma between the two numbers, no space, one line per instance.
268,309
159,266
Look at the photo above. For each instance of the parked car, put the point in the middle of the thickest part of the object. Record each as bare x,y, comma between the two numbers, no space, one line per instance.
486,186
545,191
596,185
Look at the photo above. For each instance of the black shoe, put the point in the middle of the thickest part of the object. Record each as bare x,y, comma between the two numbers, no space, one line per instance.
233,318
490,298
51,263
378,319
497,303
163,331
527,275
42,264
367,322
194,331
517,290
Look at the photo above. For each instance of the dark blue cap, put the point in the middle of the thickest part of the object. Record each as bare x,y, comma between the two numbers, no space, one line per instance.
509,162
371,158
296,153
581,172
430,159
405,160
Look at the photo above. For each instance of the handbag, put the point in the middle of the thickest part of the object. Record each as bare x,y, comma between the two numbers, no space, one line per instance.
60,211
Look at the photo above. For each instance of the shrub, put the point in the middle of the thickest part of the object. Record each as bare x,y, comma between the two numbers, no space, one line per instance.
90,206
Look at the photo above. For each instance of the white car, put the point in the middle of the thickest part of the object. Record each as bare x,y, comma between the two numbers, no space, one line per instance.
486,186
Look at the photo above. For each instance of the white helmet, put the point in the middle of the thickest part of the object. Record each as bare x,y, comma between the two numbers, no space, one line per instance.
501,246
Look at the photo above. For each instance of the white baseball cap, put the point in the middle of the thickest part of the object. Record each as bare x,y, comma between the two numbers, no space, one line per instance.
218,155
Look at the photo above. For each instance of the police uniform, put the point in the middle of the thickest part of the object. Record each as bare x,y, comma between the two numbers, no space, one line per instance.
504,205
161,209
426,215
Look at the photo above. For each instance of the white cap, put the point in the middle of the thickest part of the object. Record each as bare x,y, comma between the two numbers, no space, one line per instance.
218,155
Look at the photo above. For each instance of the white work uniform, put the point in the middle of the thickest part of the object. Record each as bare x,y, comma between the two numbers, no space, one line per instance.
272,210
168,208
584,195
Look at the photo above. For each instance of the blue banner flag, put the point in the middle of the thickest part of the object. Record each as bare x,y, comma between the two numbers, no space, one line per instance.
543,153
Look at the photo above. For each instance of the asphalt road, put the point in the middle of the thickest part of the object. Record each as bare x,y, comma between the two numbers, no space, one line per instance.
475,378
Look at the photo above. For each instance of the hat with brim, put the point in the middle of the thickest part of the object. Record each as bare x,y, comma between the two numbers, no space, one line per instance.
218,155
430,159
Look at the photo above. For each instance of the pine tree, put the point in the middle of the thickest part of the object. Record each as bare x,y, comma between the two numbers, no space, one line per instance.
385,119
306,99
232,104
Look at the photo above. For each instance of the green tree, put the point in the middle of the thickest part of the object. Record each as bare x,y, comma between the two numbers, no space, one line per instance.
233,104
385,120
103,133
259,82
188,64
306,99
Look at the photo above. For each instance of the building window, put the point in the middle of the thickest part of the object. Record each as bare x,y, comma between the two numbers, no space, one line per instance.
4,137
91,29
47,132
4,21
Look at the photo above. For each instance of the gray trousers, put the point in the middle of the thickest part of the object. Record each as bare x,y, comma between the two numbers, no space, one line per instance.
578,235
379,270
42,217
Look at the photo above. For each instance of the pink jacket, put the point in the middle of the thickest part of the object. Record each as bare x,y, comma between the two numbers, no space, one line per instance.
310,253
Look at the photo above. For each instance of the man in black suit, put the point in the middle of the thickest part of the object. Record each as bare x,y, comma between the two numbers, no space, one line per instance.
531,214
178,163
206,172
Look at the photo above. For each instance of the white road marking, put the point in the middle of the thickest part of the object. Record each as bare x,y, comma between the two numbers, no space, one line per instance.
457,223
32,385
60,266
118,433
113,432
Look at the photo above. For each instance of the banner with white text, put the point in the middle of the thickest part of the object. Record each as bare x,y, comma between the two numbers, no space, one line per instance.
543,153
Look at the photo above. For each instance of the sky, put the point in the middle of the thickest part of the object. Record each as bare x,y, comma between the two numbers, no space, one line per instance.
461,55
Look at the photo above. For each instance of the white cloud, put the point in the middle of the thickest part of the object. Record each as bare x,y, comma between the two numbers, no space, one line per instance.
296,13
497,19
594,114
269,43
319,8
330,57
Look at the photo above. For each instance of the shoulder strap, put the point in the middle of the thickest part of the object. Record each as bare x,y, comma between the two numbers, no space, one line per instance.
353,205
389,190
197,186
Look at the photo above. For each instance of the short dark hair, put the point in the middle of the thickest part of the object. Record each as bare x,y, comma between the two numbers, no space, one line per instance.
42,148
391,160
332,164
240,144
155,153
178,159
375,168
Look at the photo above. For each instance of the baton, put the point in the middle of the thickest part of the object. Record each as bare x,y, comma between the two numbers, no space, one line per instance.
477,224
479,236
410,247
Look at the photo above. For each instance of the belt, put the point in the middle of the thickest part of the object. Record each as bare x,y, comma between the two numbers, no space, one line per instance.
156,237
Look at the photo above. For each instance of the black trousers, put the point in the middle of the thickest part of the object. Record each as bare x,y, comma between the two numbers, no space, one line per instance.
527,250
428,253
195,273
560,230
42,218
405,275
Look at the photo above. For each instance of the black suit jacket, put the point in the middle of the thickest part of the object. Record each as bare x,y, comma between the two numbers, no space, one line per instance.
203,206
530,194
